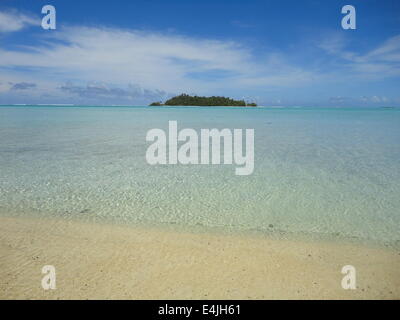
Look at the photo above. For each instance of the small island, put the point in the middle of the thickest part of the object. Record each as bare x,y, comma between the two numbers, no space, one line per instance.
187,100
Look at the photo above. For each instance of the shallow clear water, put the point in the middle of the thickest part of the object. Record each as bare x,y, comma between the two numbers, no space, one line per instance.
317,171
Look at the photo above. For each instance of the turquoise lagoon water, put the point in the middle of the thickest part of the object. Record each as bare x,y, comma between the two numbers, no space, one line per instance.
320,172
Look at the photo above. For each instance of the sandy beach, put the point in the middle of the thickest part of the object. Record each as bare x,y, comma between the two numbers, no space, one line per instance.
98,261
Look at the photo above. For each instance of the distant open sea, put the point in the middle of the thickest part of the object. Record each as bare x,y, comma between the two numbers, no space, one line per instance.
322,172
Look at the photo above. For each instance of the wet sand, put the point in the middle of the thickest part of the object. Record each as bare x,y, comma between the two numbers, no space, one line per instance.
99,261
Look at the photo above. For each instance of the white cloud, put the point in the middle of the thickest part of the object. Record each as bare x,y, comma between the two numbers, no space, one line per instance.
126,64
104,91
333,45
379,63
154,60
375,99
13,21
389,51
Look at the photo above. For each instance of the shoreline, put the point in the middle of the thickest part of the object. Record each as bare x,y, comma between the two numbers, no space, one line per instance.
105,261
272,233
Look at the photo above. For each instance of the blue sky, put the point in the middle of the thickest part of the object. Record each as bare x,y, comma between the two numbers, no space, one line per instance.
289,53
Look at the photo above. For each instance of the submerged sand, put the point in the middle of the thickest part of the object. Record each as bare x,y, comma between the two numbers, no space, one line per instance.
98,261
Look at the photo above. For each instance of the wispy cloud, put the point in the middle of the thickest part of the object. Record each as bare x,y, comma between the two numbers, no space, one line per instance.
114,64
22,86
338,99
102,90
378,63
154,60
389,51
13,21
365,100
375,99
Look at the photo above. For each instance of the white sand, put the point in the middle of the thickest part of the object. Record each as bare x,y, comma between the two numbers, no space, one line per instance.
96,261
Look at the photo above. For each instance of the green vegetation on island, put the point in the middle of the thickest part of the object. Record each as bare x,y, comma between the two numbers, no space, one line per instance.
154,104
187,100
